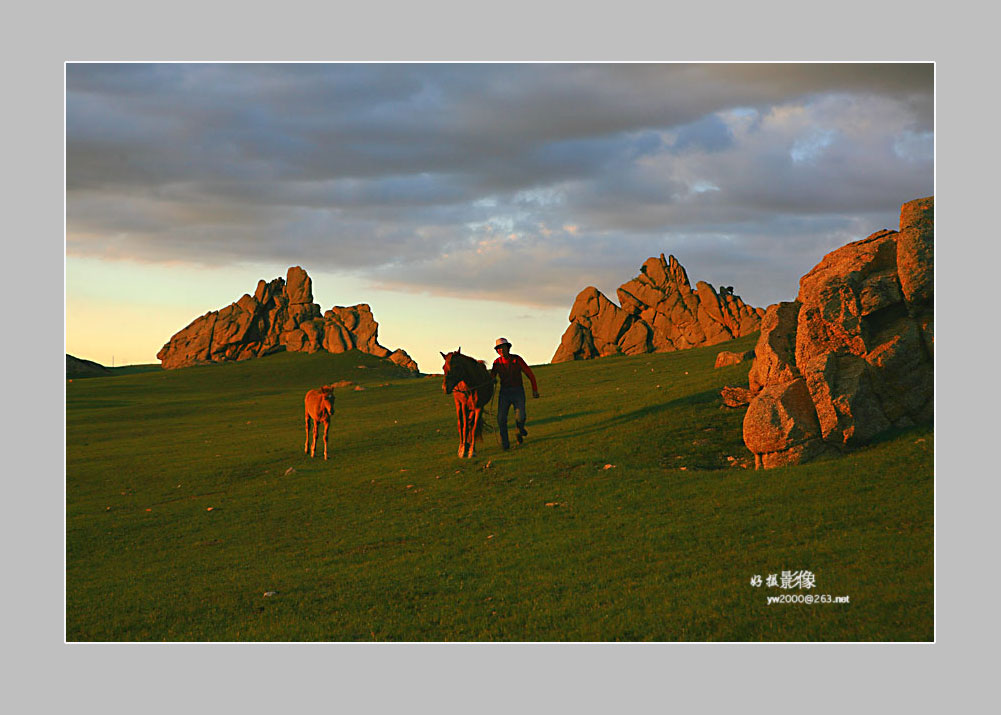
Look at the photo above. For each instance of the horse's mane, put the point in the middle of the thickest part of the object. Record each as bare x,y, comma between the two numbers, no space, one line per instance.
470,367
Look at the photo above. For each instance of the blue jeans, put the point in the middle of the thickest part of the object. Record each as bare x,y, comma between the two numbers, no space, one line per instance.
507,397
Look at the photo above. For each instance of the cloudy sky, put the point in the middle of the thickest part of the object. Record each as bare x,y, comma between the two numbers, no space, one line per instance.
467,201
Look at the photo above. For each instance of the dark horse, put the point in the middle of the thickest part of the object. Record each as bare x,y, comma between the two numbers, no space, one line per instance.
472,386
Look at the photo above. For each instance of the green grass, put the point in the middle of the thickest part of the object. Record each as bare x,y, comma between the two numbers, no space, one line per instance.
395,538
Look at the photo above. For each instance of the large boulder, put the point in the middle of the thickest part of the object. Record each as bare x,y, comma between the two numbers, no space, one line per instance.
781,425
577,344
298,286
658,312
280,315
775,352
851,357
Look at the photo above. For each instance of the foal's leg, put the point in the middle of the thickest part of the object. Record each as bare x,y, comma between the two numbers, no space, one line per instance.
326,425
316,433
305,447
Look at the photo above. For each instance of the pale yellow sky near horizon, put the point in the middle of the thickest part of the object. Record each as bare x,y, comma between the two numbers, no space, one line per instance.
122,312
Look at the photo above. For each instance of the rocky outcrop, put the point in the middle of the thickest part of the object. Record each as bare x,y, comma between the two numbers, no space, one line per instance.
736,396
726,358
852,356
658,312
280,315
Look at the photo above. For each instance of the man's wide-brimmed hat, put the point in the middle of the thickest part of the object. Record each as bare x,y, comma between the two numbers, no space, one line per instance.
501,342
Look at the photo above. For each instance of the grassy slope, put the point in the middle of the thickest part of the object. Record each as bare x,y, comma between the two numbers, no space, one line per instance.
395,538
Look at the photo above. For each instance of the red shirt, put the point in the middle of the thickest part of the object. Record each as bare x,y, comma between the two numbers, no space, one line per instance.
510,371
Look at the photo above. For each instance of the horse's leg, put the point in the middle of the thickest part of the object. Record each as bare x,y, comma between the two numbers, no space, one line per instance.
472,437
465,430
305,447
316,432
470,451
326,425
460,418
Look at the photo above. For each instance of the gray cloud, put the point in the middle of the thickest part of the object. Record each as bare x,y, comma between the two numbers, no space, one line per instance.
525,182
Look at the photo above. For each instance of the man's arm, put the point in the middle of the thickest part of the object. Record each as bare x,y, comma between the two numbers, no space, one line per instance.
531,376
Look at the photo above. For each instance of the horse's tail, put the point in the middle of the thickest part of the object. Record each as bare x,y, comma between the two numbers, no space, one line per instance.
484,395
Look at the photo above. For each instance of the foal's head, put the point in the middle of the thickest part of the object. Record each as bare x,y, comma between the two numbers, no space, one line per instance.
326,402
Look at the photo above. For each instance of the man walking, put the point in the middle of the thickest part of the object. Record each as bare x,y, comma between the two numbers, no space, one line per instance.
509,368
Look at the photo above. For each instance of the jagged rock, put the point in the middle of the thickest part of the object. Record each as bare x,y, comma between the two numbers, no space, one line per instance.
916,251
780,416
401,358
736,396
577,344
857,342
726,357
775,352
298,286
659,312
280,315
845,403
830,319
795,454
915,256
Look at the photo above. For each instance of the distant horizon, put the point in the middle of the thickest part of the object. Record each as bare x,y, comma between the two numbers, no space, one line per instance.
464,202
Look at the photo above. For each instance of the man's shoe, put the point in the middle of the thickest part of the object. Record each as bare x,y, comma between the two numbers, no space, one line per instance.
520,438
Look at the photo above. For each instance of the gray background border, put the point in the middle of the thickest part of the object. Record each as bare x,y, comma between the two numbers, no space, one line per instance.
161,678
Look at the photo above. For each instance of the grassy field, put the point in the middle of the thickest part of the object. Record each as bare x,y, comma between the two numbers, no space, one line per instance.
182,512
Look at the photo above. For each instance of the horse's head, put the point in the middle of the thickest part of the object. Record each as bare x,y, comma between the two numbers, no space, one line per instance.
452,376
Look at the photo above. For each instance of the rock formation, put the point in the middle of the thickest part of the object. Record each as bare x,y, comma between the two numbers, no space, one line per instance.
736,396
852,356
726,358
659,312
281,315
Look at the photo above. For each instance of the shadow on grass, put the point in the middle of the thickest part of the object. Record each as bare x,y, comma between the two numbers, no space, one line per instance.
682,432
700,398
559,418
895,432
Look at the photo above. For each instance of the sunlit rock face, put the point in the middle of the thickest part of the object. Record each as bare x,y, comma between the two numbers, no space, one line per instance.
280,315
852,356
658,311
